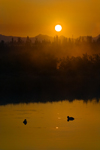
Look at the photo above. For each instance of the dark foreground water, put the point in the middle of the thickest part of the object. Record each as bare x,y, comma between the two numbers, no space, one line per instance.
47,127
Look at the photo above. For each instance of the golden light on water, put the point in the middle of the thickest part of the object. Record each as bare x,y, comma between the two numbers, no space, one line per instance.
58,28
45,131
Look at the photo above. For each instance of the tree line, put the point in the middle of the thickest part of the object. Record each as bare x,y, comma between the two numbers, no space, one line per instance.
37,72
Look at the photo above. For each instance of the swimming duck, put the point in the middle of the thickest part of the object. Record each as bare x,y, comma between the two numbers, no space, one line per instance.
25,121
70,118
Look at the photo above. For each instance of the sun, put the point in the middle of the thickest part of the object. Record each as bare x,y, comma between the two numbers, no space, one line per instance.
58,28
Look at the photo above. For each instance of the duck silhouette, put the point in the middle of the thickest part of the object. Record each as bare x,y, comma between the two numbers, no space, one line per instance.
25,121
70,118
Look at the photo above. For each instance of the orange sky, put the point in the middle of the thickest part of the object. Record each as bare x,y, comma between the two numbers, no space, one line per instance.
33,17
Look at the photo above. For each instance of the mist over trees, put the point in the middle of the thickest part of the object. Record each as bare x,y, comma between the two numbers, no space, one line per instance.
49,70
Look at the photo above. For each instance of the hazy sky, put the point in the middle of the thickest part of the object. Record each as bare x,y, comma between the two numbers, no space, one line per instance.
33,17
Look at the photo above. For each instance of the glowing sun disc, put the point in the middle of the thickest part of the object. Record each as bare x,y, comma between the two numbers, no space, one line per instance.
58,28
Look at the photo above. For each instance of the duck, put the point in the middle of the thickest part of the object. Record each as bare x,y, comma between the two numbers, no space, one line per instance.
70,118
25,121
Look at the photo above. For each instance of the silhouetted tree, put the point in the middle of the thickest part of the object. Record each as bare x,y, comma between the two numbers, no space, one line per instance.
19,41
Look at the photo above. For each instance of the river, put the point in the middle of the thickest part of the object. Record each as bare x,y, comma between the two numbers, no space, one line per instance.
47,127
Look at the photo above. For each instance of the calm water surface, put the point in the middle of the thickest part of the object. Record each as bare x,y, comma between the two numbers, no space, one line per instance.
47,126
